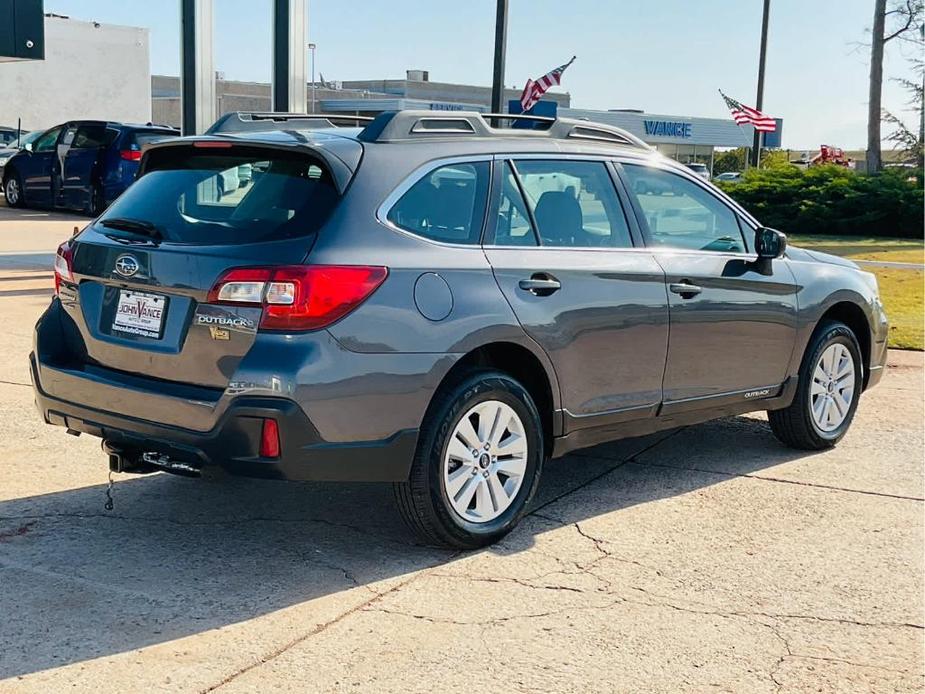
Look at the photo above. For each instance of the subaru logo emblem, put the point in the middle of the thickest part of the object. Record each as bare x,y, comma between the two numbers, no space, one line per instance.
126,265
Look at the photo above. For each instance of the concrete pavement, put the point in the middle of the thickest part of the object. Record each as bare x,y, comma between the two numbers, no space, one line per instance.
708,558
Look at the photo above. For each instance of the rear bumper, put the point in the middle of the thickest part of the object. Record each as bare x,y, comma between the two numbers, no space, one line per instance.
233,442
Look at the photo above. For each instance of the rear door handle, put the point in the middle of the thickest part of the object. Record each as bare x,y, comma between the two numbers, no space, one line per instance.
685,289
540,284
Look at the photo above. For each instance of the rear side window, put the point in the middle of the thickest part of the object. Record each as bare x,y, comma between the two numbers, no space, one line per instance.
574,203
447,204
227,198
93,136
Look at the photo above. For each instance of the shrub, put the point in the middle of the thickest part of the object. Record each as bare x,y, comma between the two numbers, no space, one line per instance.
833,200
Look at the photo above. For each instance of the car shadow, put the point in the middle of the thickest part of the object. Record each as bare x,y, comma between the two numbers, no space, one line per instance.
177,557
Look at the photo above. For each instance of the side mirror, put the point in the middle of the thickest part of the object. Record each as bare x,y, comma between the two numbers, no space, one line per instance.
769,243
27,146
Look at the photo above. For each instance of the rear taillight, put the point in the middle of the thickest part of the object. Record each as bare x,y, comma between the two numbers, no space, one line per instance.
269,439
299,297
63,259
130,154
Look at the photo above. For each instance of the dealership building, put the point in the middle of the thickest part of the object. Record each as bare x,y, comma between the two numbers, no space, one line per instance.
94,70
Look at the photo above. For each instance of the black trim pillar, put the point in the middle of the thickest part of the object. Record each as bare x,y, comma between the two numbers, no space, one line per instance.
289,46
197,73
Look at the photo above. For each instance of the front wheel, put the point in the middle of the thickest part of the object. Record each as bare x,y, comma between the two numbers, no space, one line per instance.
477,464
12,189
827,396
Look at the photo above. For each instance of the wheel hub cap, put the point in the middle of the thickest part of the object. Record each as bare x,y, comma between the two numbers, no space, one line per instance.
485,462
832,391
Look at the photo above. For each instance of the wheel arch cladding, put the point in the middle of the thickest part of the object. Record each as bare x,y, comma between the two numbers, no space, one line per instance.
520,363
854,317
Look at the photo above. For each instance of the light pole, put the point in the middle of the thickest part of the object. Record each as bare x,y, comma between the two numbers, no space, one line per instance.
312,47
497,82
756,147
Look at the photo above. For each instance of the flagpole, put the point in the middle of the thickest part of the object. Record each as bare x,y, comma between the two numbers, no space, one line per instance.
756,149
497,85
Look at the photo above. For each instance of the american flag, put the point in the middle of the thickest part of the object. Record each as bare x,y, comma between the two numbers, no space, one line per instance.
744,114
533,91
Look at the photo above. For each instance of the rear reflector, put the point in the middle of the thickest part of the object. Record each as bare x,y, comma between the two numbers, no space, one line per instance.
269,439
63,259
130,154
299,297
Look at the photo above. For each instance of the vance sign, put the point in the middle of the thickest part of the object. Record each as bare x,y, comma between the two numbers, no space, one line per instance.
667,128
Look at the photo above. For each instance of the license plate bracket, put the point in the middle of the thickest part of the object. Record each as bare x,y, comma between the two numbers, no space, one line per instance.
140,313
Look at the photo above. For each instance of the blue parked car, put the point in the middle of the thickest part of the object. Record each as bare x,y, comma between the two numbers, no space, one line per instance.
79,165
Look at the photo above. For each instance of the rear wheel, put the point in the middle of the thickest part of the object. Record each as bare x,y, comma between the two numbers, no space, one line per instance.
827,396
12,189
477,464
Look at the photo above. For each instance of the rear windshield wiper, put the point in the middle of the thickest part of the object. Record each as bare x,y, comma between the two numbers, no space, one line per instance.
135,226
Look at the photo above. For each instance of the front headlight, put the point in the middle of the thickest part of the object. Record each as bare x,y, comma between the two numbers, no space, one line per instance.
4,160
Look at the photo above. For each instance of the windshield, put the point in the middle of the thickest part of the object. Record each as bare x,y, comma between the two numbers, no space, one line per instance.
225,198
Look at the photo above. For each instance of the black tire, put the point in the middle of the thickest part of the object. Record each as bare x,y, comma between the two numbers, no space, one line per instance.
97,202
422,500
794,426
17,181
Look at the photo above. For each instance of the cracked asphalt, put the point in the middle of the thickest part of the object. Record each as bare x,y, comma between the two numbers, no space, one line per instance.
709,558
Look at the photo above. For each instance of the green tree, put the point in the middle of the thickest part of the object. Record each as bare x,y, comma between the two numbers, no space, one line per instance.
733,160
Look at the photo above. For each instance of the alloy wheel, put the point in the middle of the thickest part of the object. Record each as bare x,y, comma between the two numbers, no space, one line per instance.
12,191
832,389
485,462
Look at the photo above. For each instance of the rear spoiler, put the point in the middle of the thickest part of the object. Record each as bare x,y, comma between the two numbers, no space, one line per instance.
340,155
247,121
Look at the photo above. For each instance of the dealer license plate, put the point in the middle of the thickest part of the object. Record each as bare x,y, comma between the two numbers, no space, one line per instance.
140,313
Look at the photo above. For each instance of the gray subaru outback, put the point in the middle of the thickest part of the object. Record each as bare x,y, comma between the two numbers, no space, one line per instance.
438,302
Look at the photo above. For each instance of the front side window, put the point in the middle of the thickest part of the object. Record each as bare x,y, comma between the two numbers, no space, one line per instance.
447,204
46,142
574,203
682,214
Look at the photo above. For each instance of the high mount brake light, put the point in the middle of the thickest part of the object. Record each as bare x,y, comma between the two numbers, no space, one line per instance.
299,297
63,268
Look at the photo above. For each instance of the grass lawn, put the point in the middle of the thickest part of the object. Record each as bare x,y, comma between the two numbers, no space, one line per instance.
902,291
861,248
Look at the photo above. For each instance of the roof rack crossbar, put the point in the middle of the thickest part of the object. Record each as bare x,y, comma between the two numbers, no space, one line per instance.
394,126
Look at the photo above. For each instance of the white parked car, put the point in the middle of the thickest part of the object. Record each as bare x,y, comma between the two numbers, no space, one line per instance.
700,169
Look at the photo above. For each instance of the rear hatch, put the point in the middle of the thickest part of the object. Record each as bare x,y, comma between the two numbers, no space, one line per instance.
139,278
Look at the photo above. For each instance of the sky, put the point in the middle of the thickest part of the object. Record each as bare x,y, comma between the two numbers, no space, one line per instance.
666,57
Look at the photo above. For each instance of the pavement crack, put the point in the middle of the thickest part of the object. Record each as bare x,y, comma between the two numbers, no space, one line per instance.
765,478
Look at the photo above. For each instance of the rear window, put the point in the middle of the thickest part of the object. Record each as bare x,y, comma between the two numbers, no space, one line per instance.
211,197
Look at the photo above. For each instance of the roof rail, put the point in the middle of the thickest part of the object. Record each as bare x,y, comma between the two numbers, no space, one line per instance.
249,121
395,126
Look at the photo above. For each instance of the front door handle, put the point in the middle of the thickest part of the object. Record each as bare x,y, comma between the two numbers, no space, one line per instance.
540,284
685,289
